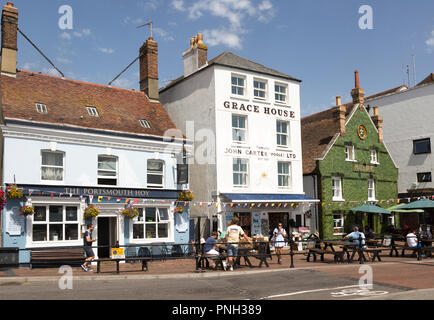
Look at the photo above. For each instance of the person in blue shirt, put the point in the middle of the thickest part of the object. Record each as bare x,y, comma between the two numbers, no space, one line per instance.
210,251
358,237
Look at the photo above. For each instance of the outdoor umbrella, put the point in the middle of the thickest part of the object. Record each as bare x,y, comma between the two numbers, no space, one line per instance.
420,204
398,208
370,208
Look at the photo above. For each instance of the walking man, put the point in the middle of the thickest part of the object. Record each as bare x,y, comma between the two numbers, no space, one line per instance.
233,234
87,242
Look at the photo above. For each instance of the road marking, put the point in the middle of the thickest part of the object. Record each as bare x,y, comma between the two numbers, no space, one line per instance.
357,292
307,291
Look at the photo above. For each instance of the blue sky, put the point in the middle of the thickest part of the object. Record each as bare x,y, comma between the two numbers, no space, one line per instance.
317,41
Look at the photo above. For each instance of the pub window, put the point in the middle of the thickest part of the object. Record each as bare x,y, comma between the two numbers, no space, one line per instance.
145,123
422,146
337,188
349,153
152,223
424,177
239,128
240,172
282,129
55,223
155,174
238,85
338,224
41,108
371,190
52,167
374,157
260,89
107,170
92,111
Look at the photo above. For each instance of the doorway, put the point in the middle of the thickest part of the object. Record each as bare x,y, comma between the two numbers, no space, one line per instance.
279,217
106,235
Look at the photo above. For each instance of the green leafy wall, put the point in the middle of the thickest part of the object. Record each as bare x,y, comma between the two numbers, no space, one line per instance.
355,183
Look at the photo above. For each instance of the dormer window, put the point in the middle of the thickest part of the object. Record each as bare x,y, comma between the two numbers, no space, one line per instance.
41,108
145,124
92,111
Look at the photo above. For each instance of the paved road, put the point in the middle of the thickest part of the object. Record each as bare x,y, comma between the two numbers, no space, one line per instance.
275,285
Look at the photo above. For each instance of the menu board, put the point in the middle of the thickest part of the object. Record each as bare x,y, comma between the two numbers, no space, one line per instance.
14,222
256,223
265,228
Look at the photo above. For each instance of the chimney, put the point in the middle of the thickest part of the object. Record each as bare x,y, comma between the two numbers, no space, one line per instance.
9,40
358,93
378,121
196,56
149,69
340,111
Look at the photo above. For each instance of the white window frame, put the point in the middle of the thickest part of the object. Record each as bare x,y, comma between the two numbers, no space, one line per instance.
246,173
56,167
340,221
31,223
350,154
41,108
371,190
170,221
374,157
145,123
337,188
245,130
108,177
288,175
265,90
92,111
287,134
285,94
153,185
237,86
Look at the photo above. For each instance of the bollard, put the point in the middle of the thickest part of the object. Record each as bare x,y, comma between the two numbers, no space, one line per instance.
291,252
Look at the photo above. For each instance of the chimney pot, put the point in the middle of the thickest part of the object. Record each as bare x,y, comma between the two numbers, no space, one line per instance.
196,56
375,111
338,101
357,81
10,4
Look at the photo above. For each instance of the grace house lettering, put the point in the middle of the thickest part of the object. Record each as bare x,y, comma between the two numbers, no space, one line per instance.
256,109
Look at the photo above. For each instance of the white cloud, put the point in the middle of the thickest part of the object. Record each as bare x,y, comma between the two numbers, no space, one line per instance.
63,60
233,12
78,34
430,42
66,36
163,34
51,71
106,50
123,83
217,37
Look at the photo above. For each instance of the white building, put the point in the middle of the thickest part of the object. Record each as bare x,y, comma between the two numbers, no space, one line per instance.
408,130
246,120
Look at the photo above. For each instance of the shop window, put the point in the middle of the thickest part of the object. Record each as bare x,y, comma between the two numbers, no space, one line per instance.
52,167
107,170
155,174
424,177
55,224
152,223
338,224
422,146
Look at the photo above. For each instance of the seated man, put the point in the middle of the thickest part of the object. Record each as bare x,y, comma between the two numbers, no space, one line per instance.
356,236
425,234
412,241
210,251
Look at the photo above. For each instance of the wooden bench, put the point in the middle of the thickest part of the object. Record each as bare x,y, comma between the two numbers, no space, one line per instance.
56,256
338,256
143,260
375,254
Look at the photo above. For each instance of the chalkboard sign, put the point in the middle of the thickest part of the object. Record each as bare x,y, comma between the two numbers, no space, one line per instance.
9,257
182,173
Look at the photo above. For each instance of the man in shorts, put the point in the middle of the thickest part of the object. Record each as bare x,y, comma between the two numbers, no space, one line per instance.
87,242
233,234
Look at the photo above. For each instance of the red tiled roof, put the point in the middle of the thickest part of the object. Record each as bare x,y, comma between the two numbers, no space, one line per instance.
427,80
66,101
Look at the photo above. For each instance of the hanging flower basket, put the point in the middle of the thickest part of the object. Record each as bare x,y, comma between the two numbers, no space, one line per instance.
91,212
12,192
27,210
130,212
185,195
179,210
3,199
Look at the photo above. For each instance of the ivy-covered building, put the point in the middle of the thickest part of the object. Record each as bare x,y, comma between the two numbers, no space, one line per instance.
345,165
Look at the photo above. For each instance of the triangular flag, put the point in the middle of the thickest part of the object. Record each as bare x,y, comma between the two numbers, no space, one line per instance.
118,199
100,198
91,199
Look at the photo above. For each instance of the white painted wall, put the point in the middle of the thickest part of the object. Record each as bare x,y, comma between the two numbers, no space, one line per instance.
23,160
408,116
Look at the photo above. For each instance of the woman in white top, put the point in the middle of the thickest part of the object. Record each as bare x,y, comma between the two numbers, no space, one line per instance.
279,241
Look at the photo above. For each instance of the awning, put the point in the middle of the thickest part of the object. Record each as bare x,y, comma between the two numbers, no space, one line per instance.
370,208
259,197
398,208
420,204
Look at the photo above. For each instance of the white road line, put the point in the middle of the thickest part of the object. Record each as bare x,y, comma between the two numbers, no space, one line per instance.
307,291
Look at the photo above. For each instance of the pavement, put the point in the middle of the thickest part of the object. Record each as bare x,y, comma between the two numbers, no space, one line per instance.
393,278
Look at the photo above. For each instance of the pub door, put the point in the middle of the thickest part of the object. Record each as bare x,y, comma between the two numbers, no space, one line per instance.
279,217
